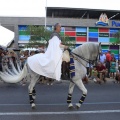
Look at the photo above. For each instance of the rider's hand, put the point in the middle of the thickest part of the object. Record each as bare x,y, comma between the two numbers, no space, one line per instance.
69,50
66,47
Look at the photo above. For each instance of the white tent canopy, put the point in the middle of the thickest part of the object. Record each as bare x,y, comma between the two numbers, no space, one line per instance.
6,36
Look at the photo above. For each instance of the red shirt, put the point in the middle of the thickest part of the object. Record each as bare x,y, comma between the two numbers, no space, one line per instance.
108,57
100,68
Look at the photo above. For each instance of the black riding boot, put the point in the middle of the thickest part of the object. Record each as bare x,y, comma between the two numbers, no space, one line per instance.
68,70
64,69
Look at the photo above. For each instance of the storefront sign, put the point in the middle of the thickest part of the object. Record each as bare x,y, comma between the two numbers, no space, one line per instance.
116,24
103,20
103,34
81,33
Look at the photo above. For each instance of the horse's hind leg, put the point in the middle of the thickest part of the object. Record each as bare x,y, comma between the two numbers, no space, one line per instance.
71,88
81,86
34,93
31,88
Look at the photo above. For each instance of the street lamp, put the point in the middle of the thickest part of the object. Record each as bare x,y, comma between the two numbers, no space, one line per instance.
45,13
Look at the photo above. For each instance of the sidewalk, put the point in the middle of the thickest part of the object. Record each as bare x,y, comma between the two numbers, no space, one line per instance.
108,80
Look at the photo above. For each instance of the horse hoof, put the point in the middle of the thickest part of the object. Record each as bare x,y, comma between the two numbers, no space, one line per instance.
33,105
70,106
78,105
34,97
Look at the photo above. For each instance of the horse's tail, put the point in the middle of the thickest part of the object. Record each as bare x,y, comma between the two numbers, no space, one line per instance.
17,76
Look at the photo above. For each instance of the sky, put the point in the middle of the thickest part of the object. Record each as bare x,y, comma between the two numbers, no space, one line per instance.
36,8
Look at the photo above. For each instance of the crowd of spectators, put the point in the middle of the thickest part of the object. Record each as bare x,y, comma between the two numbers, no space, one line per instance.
8,56
5,58
107,67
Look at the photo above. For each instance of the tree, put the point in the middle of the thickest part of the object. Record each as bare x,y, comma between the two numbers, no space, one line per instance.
67,41
117,36
40,36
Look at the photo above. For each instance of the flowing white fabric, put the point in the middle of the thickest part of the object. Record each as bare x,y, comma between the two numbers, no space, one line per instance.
49,63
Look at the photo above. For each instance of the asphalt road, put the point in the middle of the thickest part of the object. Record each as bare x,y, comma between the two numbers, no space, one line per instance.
102,102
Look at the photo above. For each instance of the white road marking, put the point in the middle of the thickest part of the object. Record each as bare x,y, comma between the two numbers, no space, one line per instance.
61,104
59,113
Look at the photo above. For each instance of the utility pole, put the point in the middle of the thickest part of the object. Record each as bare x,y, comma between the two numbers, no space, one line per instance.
45,14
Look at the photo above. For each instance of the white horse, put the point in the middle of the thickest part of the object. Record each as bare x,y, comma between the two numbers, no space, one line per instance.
83,54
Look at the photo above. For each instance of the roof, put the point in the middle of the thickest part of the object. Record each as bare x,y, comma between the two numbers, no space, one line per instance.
80,13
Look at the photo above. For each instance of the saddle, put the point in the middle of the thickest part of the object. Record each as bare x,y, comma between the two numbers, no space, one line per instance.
66,56
65,65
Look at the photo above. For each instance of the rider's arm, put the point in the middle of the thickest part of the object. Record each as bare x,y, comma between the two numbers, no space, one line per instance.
63,46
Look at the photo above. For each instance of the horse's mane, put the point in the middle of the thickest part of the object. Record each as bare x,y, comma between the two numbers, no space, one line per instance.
87,50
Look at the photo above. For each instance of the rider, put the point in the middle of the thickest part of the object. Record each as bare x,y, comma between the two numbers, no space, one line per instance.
57,29
49,63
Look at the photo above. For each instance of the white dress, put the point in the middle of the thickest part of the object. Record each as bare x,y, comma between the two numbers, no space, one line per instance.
49,63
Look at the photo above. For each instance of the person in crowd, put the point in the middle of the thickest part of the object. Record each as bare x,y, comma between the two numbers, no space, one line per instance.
23,60
95,75
102,71
41,49
112,67
13,57
32,53
102,57
117,77
1,56
108,60
119,65
113,56
5,61
23,57
90,70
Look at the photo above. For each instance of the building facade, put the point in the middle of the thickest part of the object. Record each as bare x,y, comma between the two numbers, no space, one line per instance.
80,30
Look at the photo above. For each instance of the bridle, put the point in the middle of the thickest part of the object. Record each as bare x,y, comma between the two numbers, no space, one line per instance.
91,62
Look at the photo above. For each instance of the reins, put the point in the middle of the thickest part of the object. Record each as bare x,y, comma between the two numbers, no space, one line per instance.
83,58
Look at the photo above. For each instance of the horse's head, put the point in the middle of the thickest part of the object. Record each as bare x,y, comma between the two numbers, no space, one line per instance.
94,51
89,52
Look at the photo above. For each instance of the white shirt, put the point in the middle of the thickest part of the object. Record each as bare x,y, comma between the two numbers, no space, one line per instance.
102,58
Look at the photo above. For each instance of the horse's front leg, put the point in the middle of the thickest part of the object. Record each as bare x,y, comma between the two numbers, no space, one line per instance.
31,88
34,93
81,86
71,88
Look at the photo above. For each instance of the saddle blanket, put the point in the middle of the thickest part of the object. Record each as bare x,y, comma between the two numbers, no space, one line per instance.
72,67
